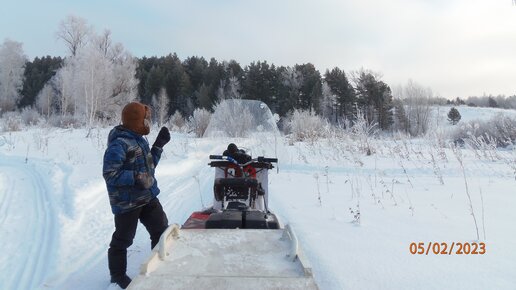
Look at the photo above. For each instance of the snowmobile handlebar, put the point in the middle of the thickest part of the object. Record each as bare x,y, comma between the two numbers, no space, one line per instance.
265,159
259,158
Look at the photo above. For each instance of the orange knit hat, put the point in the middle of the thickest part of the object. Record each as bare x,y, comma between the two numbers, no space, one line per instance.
136,117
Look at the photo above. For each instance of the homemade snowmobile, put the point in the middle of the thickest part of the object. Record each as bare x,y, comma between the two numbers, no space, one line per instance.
237,244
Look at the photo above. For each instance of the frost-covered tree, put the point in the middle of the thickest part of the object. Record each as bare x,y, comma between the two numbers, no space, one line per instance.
45,99
199,121
102,86
233,88
93,83
328,102
103,43
418,107
12,67
416,99
124,85
97,80
401,122
74,31
229,89
292,81
63,84
160,106
177,122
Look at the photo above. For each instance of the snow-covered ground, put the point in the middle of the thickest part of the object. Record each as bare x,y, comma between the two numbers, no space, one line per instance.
55,220
468,114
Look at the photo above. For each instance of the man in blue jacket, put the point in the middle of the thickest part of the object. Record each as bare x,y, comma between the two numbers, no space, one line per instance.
128,170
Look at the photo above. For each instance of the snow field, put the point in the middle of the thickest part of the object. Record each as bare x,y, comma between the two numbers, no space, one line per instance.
56,222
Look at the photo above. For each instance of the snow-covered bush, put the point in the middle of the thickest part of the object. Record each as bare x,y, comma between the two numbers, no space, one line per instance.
177,122
306,125
11,121
362,131
199,121
231,119
499,131
241,118
66,121
30,116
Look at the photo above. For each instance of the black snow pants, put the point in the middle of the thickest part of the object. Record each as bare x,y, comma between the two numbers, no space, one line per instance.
151,216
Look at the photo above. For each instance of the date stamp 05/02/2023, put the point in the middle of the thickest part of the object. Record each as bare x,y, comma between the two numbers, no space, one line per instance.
447,248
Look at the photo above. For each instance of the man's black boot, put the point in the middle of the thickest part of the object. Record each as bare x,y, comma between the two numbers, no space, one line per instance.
123,281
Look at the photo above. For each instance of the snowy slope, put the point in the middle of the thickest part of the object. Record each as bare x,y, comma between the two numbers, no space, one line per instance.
55,220
468,114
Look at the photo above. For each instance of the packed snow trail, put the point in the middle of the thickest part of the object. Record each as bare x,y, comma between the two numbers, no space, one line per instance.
182,180
28,224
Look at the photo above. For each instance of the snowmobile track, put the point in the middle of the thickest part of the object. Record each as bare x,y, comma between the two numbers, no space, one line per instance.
29,193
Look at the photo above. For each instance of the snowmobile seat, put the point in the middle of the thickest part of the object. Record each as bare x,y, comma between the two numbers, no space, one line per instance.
247,219
228,219
255,219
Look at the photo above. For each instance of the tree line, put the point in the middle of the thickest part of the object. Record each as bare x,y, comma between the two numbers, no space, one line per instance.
98,77
48,83
199,83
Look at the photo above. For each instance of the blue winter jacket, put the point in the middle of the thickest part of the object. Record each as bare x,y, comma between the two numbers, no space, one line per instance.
128,154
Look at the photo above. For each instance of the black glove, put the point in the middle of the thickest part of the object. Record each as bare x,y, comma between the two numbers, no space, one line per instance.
163,138
143,180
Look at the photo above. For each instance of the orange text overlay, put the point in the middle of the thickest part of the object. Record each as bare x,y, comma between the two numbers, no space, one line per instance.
453,248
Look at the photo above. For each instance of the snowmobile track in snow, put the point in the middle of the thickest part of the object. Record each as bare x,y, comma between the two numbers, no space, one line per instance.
28,196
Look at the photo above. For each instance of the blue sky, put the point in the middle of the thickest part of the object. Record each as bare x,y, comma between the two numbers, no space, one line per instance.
455,47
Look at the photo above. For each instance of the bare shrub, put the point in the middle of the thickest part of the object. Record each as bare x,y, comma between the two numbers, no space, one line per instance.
306,125
199,121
